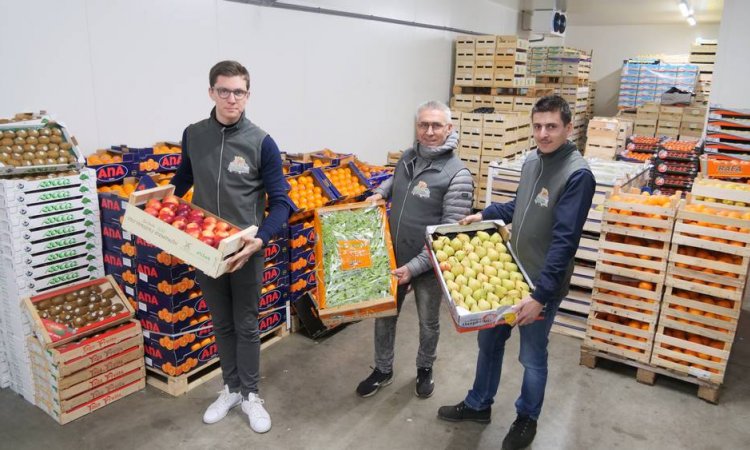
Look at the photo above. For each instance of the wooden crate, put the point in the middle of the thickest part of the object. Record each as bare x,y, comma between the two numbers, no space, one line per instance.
583,276
588,249
601,151
720,194
503,102
577,300
470,148
633,254
462,102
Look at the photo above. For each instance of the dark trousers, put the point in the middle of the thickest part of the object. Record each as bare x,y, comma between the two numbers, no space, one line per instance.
233,301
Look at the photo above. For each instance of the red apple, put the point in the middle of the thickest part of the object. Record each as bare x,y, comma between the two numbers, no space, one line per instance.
183,210
221,226
220,235
208,226
208,240
196,214
171,199
210,220
192,227
152,212
194,233
233,230
179,223
208,233
154,203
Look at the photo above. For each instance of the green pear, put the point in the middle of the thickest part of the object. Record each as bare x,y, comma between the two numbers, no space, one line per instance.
457,269
488,245
476,242
514,293
492,298
475,309
452,286
485,261
449,251
507,301
468,248
469,301
460,255
470,273
438,244
463,237
497,265
465,262
457,297
488,288
505,257
490,271
452,259
482,235
495,305
478,268
493,254
516,276
448,275
500,247
473,257
495,281
511,267
479,294
474,284
522,286
456,244
481,252
503,274
466,291
461,280
501,291
482,278
508,284
441,256
495,238
484,305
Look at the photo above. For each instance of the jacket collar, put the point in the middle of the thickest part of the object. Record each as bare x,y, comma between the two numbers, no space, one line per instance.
560,154
231,128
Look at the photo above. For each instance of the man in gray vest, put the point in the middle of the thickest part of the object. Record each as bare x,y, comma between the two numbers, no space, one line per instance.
552,202
232,165
429,186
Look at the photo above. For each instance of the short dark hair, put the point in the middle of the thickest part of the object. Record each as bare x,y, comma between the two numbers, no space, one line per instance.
228,69
552,103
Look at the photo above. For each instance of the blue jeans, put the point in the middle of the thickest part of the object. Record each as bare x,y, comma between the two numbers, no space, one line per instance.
533,357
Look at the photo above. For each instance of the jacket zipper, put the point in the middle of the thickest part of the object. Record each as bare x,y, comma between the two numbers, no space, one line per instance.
218,179
523,218
403,205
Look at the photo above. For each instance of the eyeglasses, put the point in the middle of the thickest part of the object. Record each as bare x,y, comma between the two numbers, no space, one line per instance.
424,126
239,94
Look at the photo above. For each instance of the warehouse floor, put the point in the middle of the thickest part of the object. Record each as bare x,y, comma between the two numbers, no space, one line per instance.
309,391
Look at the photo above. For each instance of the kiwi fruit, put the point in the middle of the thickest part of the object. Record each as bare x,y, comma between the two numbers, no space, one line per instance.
44,139
43,305
109,293
19,141
7,141
22,133
117,307
32,140
58,300
56,132
33,132
8,134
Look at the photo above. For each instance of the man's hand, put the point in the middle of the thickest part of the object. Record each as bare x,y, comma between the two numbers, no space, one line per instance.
374,198
471,219
402,274
527,311
251,245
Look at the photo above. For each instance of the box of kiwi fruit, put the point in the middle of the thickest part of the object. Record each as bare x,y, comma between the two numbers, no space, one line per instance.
70,313
39,145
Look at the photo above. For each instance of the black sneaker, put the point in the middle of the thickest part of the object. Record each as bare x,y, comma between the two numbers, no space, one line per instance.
521,433
461,412
375,381
425,385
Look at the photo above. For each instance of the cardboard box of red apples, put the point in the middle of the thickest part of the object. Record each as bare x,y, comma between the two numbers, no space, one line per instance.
186,231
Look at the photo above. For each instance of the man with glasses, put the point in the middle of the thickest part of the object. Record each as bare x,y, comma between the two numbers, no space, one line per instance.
430,186
232,165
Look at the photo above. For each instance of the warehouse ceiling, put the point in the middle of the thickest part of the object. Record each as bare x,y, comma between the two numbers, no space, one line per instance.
630,12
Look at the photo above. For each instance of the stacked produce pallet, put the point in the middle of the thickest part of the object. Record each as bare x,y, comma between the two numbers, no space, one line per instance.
646,120
675,166
492,61
705,282
591,100
630,273
703,54
601,138
728,131
693,122
87,351
640,149
644,82
48,227
490,137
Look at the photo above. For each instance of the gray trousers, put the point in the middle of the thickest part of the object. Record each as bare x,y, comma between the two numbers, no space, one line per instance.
428,296
233,301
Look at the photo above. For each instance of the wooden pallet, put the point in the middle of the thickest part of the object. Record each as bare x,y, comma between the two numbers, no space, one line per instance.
177,386
646,373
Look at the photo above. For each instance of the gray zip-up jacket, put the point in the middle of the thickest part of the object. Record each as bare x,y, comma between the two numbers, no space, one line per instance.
430,186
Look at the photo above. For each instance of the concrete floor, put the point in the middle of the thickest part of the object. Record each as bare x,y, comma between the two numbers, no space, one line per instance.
309,391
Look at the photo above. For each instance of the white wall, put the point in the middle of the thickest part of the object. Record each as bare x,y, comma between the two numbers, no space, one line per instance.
613,44
136,71
729,84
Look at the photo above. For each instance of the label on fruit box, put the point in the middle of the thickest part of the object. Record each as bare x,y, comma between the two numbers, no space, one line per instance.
354,254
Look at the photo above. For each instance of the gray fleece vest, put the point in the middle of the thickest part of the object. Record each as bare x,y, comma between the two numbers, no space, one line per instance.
417,201
226,170
543,178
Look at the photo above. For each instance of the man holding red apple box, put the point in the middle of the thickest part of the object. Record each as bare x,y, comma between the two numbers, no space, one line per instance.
232,165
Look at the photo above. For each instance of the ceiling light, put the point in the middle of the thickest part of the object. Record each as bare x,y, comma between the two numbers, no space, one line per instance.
691,20
684,8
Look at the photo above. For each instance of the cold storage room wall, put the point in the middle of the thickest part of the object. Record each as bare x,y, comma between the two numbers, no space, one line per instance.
135,71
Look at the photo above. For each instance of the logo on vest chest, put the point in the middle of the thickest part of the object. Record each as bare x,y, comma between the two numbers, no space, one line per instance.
421,190
542,198
239,165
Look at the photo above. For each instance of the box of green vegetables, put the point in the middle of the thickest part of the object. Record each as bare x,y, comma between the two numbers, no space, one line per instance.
355,259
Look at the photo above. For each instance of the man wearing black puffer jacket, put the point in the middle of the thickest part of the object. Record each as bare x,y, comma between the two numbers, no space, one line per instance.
232,165
551,205
430,186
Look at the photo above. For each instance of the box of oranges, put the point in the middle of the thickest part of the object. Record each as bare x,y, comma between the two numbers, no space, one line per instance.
348,180
311,190
162,157
113,165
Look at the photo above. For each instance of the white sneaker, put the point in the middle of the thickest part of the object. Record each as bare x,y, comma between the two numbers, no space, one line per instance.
219,409
260,421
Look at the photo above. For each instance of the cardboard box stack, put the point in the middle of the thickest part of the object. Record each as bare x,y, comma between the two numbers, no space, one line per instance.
87,351
703,55
644,82
676,165
49,237
728,131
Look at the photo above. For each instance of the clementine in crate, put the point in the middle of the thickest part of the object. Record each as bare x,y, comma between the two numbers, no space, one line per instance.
305,194
345,181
